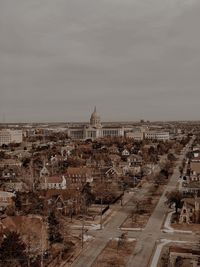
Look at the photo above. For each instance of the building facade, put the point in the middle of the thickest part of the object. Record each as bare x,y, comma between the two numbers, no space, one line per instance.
157,135
94,129
8,136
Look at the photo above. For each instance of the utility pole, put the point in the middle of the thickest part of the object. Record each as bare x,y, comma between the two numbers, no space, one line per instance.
29,264
83,223
32,174
82,232
42,258
101,213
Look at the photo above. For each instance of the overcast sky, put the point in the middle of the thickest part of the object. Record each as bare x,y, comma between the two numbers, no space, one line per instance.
133,59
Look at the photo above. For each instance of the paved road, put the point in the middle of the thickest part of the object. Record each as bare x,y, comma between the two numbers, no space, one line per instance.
111,229
146,239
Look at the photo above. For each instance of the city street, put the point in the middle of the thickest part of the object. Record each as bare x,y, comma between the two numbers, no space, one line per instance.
146,239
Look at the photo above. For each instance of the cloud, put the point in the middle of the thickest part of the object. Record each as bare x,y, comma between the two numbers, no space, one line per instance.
128,57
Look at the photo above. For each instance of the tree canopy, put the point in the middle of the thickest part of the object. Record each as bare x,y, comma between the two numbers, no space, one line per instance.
174,197
13,251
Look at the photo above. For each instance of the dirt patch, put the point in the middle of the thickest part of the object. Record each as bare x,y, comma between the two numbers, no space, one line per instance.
138,218
33,230
186,227
139,221
115,254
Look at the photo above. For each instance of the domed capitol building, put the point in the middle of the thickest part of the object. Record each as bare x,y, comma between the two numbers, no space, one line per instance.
94,129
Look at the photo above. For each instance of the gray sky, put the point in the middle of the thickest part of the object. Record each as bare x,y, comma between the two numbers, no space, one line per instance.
134,59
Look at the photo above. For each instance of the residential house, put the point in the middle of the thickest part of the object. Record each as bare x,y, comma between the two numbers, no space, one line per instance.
67,201
67,150
191,188
6,199
188,256
12,186
113,149
8,174
195,168
115,159
135,160
44,172
113,172
125,153
190,211
194,178
10,163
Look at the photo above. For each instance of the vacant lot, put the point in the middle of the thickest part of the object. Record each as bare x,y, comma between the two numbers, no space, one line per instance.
115,254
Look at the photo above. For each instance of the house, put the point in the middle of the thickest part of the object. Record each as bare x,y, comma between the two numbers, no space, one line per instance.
188,256
113,172
114,158
195,168
196,158
44,172
194,178
67,201
6,199
191,188
190,212
54,182
125,153
196,154
15,186
67,150
134,170
8,174
135,160
79,175
10,163
113,149
123,164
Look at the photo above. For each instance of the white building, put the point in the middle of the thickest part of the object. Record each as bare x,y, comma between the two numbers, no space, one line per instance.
54,182
94,129
8,136
6,199
137,133
157,135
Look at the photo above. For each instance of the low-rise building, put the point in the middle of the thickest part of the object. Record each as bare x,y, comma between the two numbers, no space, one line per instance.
79,175
6,199
190,212
179,256
195,168
157,135
54,182
137,134
8,136
6,163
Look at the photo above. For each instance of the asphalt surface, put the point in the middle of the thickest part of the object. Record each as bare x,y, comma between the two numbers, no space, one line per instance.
146,239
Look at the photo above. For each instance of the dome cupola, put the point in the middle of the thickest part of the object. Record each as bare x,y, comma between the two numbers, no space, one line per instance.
95,120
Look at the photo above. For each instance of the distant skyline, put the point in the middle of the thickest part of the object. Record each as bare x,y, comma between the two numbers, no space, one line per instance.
133,59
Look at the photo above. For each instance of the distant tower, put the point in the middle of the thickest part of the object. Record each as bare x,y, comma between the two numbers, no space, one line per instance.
95,120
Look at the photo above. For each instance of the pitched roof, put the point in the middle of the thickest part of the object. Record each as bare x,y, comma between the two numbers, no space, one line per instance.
54,179
6,194
78,171
191,201
195,166
66,193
